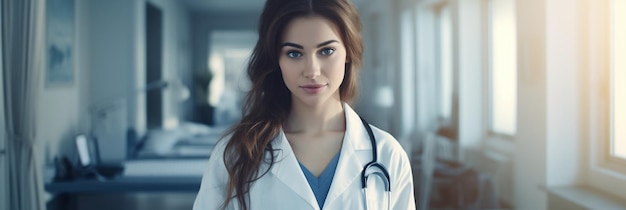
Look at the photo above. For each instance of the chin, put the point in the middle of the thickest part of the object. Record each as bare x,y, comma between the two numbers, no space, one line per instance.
316,100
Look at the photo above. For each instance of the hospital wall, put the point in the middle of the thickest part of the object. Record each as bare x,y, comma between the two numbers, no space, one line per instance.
62,110
108,64
552,99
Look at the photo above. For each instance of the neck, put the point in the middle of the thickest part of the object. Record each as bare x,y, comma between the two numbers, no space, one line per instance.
315,119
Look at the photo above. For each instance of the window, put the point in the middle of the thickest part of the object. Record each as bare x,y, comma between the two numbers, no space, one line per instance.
502,89
607,74
618,80
446,77
226,84
407,81
427,61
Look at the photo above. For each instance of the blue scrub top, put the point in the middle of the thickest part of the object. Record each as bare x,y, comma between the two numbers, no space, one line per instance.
321,185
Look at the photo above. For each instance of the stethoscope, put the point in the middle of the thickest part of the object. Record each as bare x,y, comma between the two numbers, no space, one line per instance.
382,172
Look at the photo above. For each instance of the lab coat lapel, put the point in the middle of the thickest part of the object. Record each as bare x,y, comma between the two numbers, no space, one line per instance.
355,153
288,171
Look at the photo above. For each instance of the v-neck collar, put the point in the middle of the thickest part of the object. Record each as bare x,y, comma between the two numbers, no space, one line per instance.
327,173
321,185
349,165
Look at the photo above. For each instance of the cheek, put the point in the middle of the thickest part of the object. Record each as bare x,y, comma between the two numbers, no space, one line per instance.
337,67
284,67
282,64
288,70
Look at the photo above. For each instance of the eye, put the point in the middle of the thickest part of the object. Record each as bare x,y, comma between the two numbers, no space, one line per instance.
327,51
294,54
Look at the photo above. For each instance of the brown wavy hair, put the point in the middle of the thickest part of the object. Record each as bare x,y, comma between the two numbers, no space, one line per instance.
268,103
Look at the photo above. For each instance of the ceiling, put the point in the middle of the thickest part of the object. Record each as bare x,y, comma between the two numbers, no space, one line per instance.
233,6
225,6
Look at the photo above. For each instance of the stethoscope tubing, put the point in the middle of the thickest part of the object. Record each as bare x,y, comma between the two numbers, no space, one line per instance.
382,173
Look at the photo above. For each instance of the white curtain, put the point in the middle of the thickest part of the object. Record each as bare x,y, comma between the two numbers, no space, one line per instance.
22,41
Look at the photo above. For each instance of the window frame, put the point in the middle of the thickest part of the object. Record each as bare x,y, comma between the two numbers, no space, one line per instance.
612,160
426,53
604,172
488,75
408,64
446,127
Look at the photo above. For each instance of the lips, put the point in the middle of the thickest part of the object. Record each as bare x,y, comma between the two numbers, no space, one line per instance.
313,89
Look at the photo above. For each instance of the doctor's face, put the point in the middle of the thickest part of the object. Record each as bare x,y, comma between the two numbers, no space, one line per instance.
312,60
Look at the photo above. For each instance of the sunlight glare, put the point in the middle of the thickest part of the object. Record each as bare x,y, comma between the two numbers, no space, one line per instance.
503,67
619,78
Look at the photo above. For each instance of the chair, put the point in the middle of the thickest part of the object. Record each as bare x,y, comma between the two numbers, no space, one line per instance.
459,185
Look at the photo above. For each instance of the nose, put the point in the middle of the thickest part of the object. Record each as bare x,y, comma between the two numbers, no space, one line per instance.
312,68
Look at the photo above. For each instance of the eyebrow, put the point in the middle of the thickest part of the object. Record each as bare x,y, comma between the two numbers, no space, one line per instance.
301,47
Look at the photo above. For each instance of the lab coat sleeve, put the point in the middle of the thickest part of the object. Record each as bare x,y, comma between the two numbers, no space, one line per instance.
402,192
214,181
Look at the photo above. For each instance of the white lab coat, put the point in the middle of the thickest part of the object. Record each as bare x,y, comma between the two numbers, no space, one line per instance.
285,186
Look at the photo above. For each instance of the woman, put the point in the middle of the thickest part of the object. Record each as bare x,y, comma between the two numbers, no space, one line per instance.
299,144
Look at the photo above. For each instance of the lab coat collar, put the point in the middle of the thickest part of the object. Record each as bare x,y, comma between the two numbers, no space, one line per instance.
351,161
355,152
287,170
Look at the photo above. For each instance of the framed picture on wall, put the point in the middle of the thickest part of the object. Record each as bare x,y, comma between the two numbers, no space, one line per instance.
59,67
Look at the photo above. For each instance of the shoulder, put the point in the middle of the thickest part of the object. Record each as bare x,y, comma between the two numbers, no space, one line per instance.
395,159
389,149
385,140
214,180
215,173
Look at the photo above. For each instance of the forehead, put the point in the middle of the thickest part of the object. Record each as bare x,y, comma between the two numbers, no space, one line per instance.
310,31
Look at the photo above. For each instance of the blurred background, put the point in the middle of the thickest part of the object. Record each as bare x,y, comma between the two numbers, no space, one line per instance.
501,104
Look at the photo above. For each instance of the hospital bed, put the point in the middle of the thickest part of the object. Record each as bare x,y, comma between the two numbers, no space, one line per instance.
164,161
